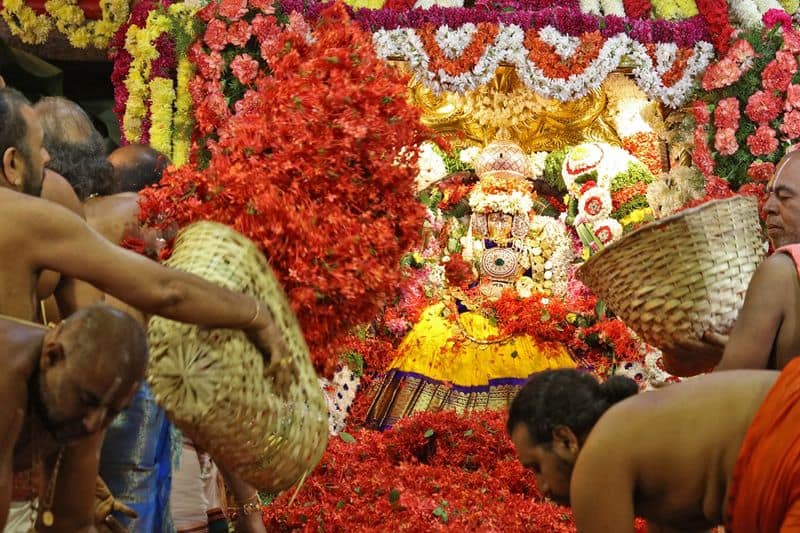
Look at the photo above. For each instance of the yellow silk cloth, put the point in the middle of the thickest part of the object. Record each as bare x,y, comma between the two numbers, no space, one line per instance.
460,363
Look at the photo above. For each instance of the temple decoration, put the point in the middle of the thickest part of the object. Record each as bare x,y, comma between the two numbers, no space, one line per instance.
455,356
533,122
550,62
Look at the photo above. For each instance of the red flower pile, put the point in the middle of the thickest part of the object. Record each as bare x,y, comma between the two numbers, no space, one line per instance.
316,165
433,472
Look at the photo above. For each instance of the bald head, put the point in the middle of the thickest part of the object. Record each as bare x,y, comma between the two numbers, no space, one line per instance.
90,366
782,209
137,166
76,148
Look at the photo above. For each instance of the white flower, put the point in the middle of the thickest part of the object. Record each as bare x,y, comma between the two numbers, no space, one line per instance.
454,41
594,204
565,45
524,286
590,6
431,167
427,4
536,162
469,155
511,203
766,5
607,230
613,7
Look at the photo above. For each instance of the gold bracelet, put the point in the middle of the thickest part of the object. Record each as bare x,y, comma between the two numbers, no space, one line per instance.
255,316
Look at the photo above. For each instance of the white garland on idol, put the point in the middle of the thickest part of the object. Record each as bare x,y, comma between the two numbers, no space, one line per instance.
509,48
511,203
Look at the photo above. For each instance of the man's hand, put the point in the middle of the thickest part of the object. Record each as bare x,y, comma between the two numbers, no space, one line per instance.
105,505
271,342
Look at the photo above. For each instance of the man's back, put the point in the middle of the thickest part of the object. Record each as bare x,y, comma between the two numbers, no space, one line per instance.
673,450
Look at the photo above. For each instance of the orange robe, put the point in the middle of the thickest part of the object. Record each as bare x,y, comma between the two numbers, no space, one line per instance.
764,495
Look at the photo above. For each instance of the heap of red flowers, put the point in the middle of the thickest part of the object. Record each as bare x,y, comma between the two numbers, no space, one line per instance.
315,163
435,471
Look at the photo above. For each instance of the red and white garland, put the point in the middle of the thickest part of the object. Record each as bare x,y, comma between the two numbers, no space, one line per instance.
548,62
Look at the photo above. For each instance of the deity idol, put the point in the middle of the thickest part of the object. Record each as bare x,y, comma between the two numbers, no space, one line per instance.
456,357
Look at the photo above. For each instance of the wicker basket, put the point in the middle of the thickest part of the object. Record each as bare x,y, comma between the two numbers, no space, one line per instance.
211,381
675,279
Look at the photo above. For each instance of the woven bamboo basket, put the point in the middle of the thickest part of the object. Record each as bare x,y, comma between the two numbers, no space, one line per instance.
675,279
211,382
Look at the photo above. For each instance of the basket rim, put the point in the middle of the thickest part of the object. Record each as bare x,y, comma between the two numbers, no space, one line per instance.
657,224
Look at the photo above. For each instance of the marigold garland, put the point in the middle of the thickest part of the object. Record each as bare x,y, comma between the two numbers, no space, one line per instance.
70,20
23,22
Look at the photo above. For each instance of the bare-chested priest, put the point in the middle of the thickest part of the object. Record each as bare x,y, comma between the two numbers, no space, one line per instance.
39,235
718,449
60,386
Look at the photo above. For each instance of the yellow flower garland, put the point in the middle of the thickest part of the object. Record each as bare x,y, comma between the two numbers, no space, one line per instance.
182,132
24,23
170,101
674,9
790,6
70,20
162,98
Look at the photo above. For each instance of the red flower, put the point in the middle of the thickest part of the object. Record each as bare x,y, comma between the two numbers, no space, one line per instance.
637,9
742,53
763,107
701,156
763,141
245,68
700,112
459,273
239,33
216,35
726,115
760,171
316,169
725,141
232,9
721,74
778,73
792,97
791,124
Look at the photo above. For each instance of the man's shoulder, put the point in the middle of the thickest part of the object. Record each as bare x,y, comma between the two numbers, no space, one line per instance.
774,271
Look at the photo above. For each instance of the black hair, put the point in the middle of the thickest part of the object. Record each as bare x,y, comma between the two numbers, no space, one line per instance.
565,397
13,128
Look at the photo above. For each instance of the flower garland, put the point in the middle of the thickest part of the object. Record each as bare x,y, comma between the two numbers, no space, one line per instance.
23,22
69,18
553,64
674,9
151,77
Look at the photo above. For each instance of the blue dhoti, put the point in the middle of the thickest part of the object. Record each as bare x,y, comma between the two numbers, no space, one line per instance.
136,464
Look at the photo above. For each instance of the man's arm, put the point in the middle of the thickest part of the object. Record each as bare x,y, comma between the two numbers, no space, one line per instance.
601,491
753,336
65,243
